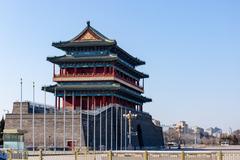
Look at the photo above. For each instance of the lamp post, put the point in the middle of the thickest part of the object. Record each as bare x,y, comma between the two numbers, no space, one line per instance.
129,116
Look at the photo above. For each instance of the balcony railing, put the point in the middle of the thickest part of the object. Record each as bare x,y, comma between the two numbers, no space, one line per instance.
126,80
83,75
59,77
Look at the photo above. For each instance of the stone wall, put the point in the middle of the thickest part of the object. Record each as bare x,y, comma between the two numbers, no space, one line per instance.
146,134
13,120
16,107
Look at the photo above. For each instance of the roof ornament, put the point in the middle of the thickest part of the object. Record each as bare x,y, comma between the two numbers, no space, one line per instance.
88,23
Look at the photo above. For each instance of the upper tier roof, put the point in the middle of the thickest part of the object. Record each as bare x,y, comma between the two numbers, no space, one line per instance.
107,58
90,37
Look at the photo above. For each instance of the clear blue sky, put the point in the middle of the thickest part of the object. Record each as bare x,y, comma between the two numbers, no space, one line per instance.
192,50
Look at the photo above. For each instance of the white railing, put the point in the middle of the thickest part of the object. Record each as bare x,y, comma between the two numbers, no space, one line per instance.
139,155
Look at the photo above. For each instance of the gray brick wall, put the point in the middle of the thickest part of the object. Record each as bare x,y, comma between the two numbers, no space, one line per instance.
148,135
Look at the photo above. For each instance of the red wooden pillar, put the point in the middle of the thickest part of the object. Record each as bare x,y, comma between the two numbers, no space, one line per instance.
94,103
104,70
94,71
114,72
75,71
118,100
104,101
92,106
63,101
58,104
112,99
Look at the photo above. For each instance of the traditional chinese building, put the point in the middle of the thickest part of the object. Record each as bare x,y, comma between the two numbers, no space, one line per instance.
96,68
96,83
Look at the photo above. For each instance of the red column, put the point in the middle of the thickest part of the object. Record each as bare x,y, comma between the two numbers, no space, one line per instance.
94,71
94,104
112,98
58,103
88,103
104,70
63,99
114,71
75,71
104,103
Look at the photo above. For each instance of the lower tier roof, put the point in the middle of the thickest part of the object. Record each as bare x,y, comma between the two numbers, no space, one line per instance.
114,89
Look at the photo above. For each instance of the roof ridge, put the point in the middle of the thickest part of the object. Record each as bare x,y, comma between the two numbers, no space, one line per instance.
99,34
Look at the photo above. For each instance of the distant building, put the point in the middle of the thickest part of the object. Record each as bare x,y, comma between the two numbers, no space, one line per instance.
209,131
182,127
198,130
198,134
216,132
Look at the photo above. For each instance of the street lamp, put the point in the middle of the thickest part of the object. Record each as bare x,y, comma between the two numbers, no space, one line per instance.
130,116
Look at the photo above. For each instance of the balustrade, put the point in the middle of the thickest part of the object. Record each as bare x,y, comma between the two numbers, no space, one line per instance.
95,74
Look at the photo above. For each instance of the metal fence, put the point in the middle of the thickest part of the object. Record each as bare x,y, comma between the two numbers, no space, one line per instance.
125,155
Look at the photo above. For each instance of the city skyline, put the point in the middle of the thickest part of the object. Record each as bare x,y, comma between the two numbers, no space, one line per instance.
191,51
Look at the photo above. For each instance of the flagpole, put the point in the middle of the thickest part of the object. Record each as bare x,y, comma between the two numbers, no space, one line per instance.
116,128
106,130
100,128
44,119
87,123
112,126
80,121
125,129
55,116
121,127
64,121
94,124
72,119
33,118
21,83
